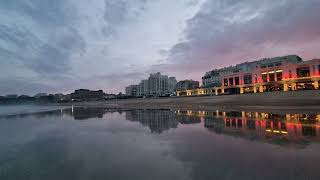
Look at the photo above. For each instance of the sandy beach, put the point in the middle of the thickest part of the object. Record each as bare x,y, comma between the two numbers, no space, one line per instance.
295,101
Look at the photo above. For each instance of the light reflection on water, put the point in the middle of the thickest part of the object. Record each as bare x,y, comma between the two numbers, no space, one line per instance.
101,143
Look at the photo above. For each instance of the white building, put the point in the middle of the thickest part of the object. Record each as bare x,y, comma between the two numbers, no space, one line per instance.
156,85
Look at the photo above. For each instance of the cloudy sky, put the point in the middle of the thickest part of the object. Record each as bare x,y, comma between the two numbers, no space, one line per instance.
60,45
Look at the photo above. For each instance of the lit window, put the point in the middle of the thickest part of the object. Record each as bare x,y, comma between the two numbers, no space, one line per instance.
278,64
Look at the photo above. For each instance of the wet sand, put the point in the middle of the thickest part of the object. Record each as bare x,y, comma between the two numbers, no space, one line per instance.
297,101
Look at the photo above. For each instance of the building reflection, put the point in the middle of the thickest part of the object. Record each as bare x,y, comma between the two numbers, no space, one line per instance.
83,113
295,129
269,127
184,117
157,120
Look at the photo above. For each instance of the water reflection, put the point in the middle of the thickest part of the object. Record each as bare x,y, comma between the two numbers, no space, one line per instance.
283,129
157,120
268,127
103,143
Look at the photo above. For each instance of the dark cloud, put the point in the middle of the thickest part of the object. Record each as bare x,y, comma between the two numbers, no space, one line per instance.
228,32
114,82
44,12
43,42
16,86
118,12
65,44
115,11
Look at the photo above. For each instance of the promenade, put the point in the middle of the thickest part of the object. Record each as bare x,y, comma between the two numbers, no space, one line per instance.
308,100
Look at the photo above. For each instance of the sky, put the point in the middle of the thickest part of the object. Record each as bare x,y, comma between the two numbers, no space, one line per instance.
62,45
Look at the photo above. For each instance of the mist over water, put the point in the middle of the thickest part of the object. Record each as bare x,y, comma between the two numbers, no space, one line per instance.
100,143
25,109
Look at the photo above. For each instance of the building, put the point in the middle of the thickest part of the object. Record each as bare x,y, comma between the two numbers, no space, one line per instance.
156,85
39,95
161,85
270,74
143,88
110,96
132,90
187,84
172,84
87,95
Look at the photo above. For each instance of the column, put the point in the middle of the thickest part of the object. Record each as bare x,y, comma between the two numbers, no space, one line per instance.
261,88
294,86
222,90
316,85
254,89
216,91
241,90
243,114
285,87
189,93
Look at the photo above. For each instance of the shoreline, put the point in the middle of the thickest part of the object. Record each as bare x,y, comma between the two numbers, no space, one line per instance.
277,102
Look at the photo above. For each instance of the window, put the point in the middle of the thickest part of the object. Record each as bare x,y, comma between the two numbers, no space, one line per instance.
270,65
237,81
248,79
271,77
264,77
263,66
303,72
278,64
319,69
225,82
231,81
279,76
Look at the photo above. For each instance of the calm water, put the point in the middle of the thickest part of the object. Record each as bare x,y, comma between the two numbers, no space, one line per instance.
23,109
99,143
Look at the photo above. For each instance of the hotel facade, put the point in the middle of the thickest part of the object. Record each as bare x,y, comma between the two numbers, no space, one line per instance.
286,73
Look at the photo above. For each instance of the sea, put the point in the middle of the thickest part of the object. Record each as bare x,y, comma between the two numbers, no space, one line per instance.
82,143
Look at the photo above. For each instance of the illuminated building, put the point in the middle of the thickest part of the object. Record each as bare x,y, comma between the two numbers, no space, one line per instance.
287,73
187,84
